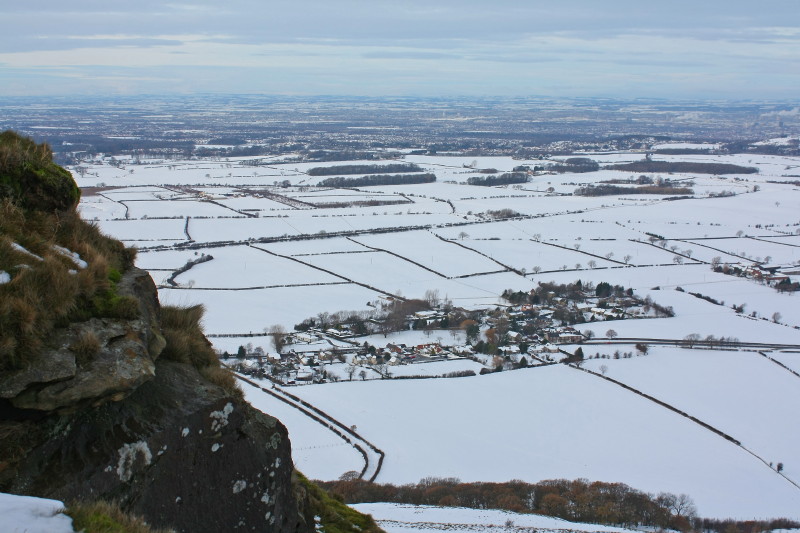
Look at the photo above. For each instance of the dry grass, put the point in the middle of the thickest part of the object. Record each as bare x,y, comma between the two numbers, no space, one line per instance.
105,517
51,291
85,347
183,331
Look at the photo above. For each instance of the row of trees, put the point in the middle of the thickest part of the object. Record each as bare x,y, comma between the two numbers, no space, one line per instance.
684,167
578,500
341,170
506,178
575,164
610,190
379,179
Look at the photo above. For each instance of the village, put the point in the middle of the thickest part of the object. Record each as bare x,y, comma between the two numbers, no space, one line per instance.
539,327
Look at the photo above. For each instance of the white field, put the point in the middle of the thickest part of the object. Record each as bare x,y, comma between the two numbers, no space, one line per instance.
740,393
426,249
553,422
313,446
400,518
255,269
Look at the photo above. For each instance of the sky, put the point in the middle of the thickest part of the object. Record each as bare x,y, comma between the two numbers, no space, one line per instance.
699,49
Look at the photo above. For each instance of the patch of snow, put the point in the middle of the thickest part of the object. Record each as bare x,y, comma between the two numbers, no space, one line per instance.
33,515
5,277
25,251
80,263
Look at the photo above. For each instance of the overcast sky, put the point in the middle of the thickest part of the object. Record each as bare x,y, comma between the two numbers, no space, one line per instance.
707,49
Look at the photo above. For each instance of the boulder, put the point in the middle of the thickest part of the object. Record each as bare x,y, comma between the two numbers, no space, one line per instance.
179,451
64,377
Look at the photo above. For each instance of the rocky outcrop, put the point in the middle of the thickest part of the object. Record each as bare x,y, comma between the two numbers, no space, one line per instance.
179,451
104,409
119,358
152,434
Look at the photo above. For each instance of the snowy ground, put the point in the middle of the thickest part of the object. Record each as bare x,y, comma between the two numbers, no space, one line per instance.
400,518
529,424
551,422
24,514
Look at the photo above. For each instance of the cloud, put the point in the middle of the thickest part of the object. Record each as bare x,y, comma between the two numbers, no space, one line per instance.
447,45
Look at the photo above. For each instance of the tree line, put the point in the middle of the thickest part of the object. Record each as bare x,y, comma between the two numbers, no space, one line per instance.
506,178
610,190
687,167
578,500
340,170
379,179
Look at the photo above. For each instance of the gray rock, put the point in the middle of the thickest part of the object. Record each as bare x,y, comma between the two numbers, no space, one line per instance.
121,365
43,368
124,361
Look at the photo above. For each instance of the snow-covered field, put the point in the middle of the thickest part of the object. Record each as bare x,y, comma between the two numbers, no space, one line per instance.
399,518
551,422
295,252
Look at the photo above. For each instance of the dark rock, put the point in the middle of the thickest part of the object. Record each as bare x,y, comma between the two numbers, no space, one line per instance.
179,451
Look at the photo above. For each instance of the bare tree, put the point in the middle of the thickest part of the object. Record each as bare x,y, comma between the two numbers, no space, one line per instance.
627,258
432,297
592,263
776,317
463,235
278,333
691,339
603,369
611,334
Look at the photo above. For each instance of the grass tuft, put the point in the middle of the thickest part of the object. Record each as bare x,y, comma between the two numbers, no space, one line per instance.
336,517
104,517
50,291
182,329
85,347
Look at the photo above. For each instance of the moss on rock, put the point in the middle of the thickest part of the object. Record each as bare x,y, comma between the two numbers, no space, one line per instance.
29,176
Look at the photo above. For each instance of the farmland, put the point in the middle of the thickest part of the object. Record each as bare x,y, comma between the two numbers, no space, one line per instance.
282,250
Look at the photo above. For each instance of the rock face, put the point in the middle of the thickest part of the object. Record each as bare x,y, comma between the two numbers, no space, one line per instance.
178,451
124,358
152,434
104,412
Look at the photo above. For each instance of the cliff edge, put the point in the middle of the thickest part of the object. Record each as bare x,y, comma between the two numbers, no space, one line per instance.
105,395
